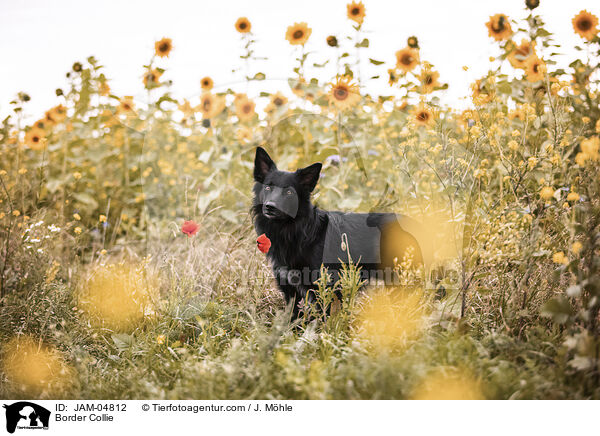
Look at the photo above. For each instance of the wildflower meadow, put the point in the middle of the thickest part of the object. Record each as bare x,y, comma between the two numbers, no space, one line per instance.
130,269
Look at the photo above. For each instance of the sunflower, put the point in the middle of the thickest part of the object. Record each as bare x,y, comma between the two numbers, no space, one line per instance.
244,135
206,83
584,24
356,12
302,89
343,93
393,76
532,4
58,113
413,42
423,115
151,78
298,33
244,109
499,27
535,69
243,25
210,105
43,123
186,108
163,47
126,105
35,139
277,100
407,59
429,80
482,94
518,57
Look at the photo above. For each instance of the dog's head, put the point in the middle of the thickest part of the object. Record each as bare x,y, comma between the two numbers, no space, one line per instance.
282,195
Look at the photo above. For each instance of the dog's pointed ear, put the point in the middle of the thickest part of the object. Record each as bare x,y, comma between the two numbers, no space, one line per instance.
263,164
309,176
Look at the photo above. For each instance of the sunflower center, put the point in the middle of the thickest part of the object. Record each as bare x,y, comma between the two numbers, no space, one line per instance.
35,139
535,68
355,11
499,26
206,105
423,116
406,59
298,34
243,25
584,24
164,47
278,101
428,80
246,108
340,93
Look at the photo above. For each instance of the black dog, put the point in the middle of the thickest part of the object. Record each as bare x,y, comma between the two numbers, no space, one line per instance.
303,237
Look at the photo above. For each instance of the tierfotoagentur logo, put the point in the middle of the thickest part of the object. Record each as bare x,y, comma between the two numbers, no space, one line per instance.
26,415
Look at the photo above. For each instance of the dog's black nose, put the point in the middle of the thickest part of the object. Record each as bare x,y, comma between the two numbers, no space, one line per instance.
269,208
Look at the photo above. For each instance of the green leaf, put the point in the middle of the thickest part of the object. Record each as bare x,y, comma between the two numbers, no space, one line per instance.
558,309
363,43
376,62
122,341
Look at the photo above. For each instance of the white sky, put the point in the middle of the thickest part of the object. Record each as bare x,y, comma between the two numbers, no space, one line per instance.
40,40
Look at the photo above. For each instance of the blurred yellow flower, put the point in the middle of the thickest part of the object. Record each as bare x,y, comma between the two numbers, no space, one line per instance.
126,105
356,11
520,54
590,147
429,80
547,193
573,196
35,139
560,258
77,217
448,384
407,59
151,78
585,24
513,145
163,47
276,101
38,369
423,115
206,83
244,109
160,339
210,105
243,25
343,93
499,27
298,33
534,69
102,218
576,247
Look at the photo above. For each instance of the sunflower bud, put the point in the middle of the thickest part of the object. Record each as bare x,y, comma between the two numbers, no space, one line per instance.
532,4
413,42
332,41
77,67
58,92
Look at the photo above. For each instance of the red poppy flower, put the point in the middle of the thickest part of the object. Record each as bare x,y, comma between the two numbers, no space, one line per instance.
190,228
263,243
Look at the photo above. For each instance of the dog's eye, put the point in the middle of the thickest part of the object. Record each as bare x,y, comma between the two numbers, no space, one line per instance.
267,188
289,192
